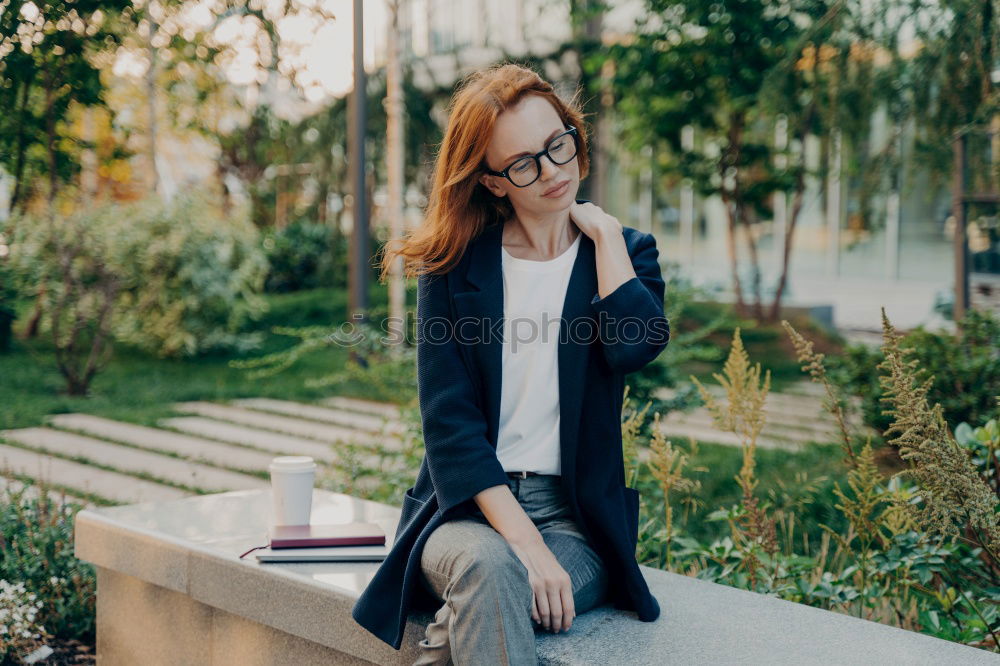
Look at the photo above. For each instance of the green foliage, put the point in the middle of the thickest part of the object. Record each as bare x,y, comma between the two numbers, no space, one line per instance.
982,443
73,264
8,294
685,346
893,561
46,68
952,89
36,535
196,279
301,256
174,279
964,367
381,370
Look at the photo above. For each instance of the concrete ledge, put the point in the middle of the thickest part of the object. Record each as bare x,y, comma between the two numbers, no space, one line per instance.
172,589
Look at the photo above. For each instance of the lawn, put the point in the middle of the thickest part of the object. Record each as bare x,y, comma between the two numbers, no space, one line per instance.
140,388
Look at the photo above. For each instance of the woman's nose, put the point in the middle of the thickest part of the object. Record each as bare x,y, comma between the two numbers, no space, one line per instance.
549,168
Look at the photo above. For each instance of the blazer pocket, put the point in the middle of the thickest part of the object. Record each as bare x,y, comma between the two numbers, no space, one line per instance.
411,506
631,496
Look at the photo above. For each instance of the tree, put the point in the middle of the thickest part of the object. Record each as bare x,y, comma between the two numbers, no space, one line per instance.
46,67
729,69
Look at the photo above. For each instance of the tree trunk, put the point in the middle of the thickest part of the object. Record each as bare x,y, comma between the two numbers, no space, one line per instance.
786,254
395,159
154,174
15,199
731,216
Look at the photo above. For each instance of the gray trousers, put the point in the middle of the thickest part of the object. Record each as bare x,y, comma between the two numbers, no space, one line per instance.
485,617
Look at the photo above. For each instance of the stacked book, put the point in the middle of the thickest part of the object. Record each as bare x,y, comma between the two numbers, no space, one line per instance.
347,542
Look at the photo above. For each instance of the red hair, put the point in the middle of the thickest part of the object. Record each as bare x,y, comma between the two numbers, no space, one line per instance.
459,206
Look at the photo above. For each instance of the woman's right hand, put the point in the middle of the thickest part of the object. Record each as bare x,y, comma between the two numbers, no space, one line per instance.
551,586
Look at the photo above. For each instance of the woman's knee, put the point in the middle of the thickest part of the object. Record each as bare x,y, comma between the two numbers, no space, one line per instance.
493,559
477,560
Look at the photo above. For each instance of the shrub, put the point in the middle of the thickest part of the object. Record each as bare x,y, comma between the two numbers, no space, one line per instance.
174,279
683,348
73,264
920,553
36,551
19,624
196,278
8,295
301,256
964,366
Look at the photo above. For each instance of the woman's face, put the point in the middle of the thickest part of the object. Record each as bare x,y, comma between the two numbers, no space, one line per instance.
525,129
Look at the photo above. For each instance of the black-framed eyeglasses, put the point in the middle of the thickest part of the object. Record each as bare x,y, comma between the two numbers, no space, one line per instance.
526,170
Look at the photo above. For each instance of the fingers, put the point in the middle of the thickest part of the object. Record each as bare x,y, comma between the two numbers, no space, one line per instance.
569,609
555,610
542,604
553,605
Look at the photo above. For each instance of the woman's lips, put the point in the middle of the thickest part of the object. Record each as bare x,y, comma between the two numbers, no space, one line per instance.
558,191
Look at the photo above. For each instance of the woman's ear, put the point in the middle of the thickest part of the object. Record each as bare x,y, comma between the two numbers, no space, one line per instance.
487,182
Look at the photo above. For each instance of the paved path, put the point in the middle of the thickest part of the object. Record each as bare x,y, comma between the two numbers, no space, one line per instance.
213,447
793,419
210,447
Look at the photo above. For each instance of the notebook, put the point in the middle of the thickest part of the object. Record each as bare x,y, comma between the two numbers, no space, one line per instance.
360,552
314,535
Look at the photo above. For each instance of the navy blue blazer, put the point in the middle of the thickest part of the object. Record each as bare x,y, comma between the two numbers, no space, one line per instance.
459,352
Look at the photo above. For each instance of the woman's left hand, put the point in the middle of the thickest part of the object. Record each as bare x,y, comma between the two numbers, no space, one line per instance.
593,221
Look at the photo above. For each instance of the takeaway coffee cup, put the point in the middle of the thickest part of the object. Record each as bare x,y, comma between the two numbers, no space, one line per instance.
292,489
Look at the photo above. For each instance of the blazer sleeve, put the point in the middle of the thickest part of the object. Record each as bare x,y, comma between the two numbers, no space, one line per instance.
460,458
633,329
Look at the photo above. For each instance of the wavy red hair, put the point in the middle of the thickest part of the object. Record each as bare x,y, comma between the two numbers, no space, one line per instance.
459,208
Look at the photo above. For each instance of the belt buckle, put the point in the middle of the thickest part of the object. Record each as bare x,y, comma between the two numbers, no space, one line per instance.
518,475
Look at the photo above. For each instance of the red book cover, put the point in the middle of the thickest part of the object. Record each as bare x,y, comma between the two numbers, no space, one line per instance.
345,534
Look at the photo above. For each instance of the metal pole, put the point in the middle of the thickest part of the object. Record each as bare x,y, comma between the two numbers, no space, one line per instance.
359,237
958,212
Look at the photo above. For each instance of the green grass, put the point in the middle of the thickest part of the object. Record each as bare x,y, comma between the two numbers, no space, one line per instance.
767,344
140,388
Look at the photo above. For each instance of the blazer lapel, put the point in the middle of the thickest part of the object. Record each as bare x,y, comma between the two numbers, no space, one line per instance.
484,303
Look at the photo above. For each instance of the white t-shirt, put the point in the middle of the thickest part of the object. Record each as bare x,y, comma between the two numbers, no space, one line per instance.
534,292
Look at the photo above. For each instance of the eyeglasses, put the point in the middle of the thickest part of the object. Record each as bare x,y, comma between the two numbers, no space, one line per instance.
526,170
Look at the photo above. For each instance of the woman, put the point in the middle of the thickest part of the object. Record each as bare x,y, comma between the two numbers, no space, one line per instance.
531,309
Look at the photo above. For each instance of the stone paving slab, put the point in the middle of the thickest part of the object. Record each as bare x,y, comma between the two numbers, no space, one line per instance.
781,408
680,432
702,418
323,432
273,443
386,409
128,459
195,448
109,485
794,403
341,417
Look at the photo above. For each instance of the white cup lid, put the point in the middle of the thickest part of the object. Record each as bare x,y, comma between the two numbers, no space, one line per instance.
292,463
